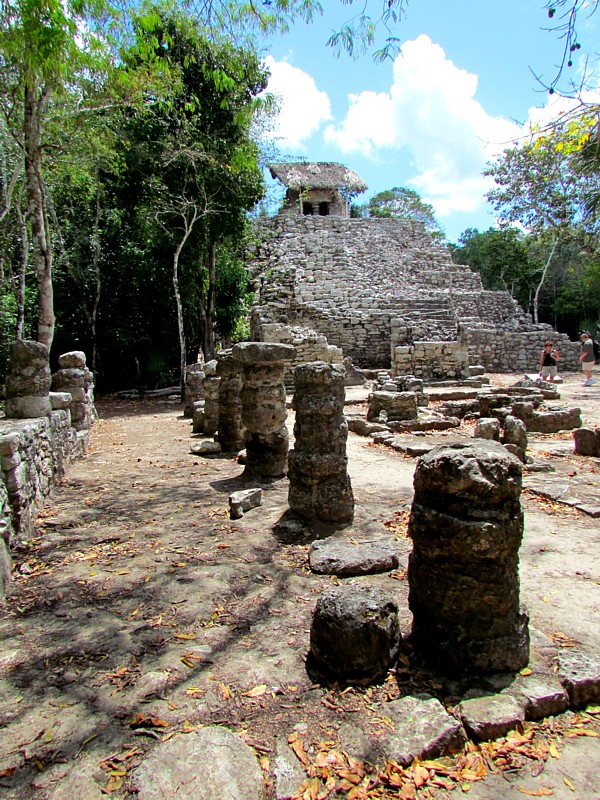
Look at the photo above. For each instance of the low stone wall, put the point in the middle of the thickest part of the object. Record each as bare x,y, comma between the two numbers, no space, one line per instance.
513,350
431,360
35,454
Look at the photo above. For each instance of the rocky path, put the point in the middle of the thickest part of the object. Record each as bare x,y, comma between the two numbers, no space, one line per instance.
144,624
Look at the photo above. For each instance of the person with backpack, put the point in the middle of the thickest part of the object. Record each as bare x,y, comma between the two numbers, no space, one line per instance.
588,358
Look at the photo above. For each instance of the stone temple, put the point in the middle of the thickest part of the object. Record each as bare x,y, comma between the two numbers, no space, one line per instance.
381,292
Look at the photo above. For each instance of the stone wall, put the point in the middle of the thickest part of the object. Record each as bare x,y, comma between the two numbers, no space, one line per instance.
350,279
35,453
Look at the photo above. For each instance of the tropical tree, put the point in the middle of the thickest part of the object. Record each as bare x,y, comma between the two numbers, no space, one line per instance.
403,203
539,188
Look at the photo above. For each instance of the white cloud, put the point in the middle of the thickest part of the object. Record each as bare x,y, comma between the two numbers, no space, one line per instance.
304,108
431,111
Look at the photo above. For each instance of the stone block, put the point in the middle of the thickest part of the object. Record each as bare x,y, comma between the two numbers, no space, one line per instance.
355,633
244,500
209,763
580,676
543,695
341,556
587,441
487,428
492,716
422,729
205,448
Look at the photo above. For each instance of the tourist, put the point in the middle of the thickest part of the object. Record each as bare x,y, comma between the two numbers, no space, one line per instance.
548,360
587,358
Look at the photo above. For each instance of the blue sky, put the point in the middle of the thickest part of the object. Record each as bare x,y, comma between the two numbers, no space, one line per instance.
460,92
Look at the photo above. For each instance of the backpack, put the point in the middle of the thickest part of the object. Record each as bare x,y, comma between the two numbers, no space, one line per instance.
596,347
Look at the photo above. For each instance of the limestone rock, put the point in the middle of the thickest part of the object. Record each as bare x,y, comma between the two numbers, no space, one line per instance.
580,676
244,500
487,428
422,729
341,556
492,716
209,764
205,448
355,632
587,442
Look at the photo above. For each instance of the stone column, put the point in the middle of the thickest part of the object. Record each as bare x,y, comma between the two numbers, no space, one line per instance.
74,377
28,381
466,524
193,389
231,427
319,483
263,407
212,384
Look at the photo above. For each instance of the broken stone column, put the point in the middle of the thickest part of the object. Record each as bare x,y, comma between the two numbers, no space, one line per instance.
28,381
355,632
318,465
212,385
74,377
263,406
193,389
514,437
230,425
466,524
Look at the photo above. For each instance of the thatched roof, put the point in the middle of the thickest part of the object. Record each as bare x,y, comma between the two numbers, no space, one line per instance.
318,175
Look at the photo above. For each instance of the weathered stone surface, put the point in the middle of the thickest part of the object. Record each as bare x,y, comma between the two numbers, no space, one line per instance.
341,556
60,400
262,353
198,419
514,432
361,427
211,386
396,405
543,696
28,407
422,729
587,441
209,764
487,428
263,407
492,716
580,677
74,359
466,524
193,389
288,772
547,421
355,632
205,448
244,500
320,487
231,426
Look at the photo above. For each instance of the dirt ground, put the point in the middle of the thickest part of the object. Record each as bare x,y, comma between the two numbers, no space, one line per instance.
140,611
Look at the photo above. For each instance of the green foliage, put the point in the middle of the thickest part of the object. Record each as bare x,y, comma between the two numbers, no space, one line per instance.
401,203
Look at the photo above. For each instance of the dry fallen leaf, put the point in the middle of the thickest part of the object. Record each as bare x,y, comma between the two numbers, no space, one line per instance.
257,691
541,792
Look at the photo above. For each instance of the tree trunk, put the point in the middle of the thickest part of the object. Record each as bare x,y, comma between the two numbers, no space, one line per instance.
42,246
536,299
96,262
21,276
182,350
210,303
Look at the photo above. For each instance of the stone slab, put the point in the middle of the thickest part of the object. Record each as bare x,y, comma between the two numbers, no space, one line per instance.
543,695
287,771
492,716
244,500
580,676
422,729
209,764
205,448
344,556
